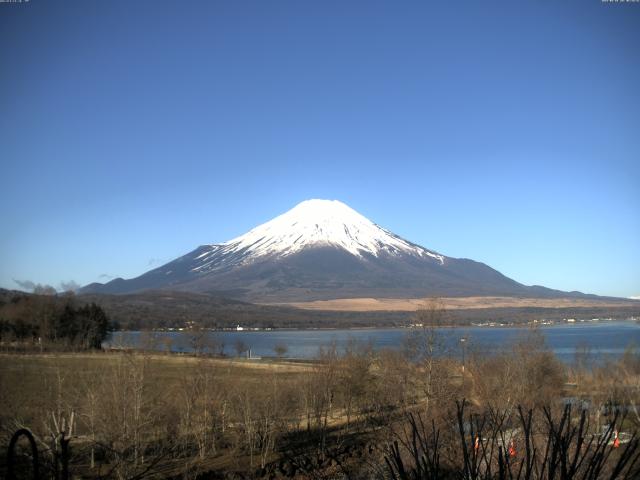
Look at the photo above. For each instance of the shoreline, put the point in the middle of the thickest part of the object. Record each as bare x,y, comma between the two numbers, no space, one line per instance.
491,325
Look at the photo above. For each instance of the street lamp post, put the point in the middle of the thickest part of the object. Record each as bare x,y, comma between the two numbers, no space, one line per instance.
462,342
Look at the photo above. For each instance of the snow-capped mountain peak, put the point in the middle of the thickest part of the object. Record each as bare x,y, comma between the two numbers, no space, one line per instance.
321,250
317,223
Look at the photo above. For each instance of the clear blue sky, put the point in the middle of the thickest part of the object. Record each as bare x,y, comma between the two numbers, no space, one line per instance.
507,132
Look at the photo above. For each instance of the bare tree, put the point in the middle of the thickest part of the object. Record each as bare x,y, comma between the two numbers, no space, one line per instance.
198,339
354,379
426,346
395,385
200,402
90,411
528,374
240,347
280,349
131,415
324,390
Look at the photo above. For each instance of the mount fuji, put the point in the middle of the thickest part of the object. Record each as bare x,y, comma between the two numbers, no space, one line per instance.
321,250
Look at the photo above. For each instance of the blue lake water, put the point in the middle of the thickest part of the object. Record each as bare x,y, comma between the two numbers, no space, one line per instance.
604,339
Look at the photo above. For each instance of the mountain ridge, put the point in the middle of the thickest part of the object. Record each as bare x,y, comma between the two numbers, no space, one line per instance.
320,250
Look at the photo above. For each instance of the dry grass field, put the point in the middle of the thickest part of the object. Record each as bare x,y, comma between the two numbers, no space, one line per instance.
452,303
30,380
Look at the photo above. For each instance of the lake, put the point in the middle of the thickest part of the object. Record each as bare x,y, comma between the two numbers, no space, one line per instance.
603,339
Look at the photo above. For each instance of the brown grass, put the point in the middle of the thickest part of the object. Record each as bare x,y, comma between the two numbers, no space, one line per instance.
450,303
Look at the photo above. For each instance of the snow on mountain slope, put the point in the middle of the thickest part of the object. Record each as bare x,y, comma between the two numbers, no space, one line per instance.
313,223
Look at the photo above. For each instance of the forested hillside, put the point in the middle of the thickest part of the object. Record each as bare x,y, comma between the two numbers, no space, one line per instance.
48,320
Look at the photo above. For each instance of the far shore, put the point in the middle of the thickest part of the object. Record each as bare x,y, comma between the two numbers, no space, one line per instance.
534,323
